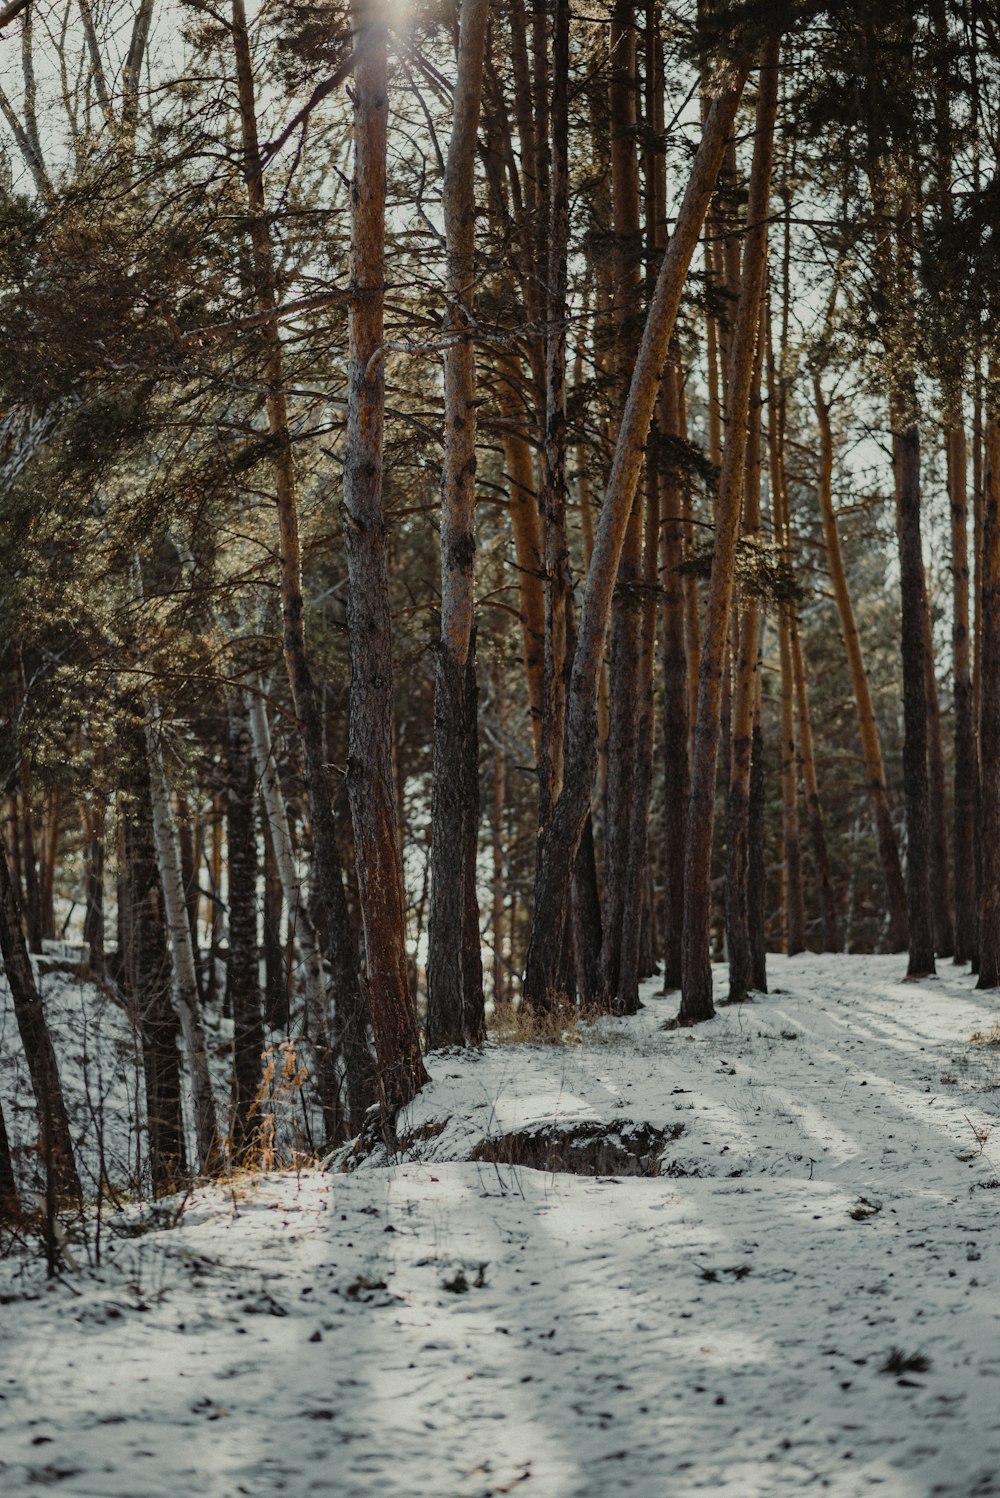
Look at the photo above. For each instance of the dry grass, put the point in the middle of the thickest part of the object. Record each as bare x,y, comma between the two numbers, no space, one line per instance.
525,1025
987,1037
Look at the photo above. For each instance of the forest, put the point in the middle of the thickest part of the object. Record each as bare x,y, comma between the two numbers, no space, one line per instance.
500,554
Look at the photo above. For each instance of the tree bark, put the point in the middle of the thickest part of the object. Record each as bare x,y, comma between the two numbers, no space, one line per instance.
989,732
56,1140
562,837
676,690
696,986
146,972
350,1013
454,830
966,755
871,747
400,1072
243,969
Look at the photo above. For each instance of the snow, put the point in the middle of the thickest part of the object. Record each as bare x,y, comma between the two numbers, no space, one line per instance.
433,1327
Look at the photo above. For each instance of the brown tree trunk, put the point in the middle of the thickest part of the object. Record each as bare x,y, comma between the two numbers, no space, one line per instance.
696,986
55,1137
9,1208
562,837
93,881
401,1071
454,827
871,747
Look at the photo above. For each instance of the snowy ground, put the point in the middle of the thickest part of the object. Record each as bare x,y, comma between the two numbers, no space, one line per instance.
436,1328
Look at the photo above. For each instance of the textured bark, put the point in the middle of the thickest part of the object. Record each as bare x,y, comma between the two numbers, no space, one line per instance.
400,1072
940,881
966,753
147,979
454,832
747,665
916,783
8,1183
676,702
168,857
696,985
623,661
243,968
814,807
757,904
562,837
527,539
56,1141
350,1022
989,732
93,881
871,747
275,970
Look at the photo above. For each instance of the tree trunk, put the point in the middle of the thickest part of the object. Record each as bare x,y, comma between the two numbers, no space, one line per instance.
453,830
350,1014
676,728
562,837
56,1141
401,1071
989,793
966,757
871,747
275,971
9,1208
168,856
747,665
243,970
623,663
906,448
146,971
696,986
93,881
814,808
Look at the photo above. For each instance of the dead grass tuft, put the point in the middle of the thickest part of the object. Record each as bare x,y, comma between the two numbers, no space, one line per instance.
523,1024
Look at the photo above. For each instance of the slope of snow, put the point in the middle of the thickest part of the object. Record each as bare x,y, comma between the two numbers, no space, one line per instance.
437,1328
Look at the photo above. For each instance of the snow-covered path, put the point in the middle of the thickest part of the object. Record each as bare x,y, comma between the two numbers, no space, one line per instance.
445,1329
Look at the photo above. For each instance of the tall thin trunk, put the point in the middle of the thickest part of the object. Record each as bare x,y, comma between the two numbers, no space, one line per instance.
53,1120
561,841
8,1182
168,856
966,757
146,974
623,661
243,968
454,830
350,1018
676,728
696,986
871,747
989,791
810,780
401,1071
747,665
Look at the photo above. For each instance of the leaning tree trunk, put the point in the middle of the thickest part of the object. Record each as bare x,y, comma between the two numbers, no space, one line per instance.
871,748
696,984
243,968
559,845
401,1071
56,1139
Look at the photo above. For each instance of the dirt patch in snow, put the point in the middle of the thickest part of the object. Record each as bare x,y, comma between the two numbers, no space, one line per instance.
582,1149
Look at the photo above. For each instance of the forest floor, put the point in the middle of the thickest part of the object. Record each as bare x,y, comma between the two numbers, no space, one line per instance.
803,1298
